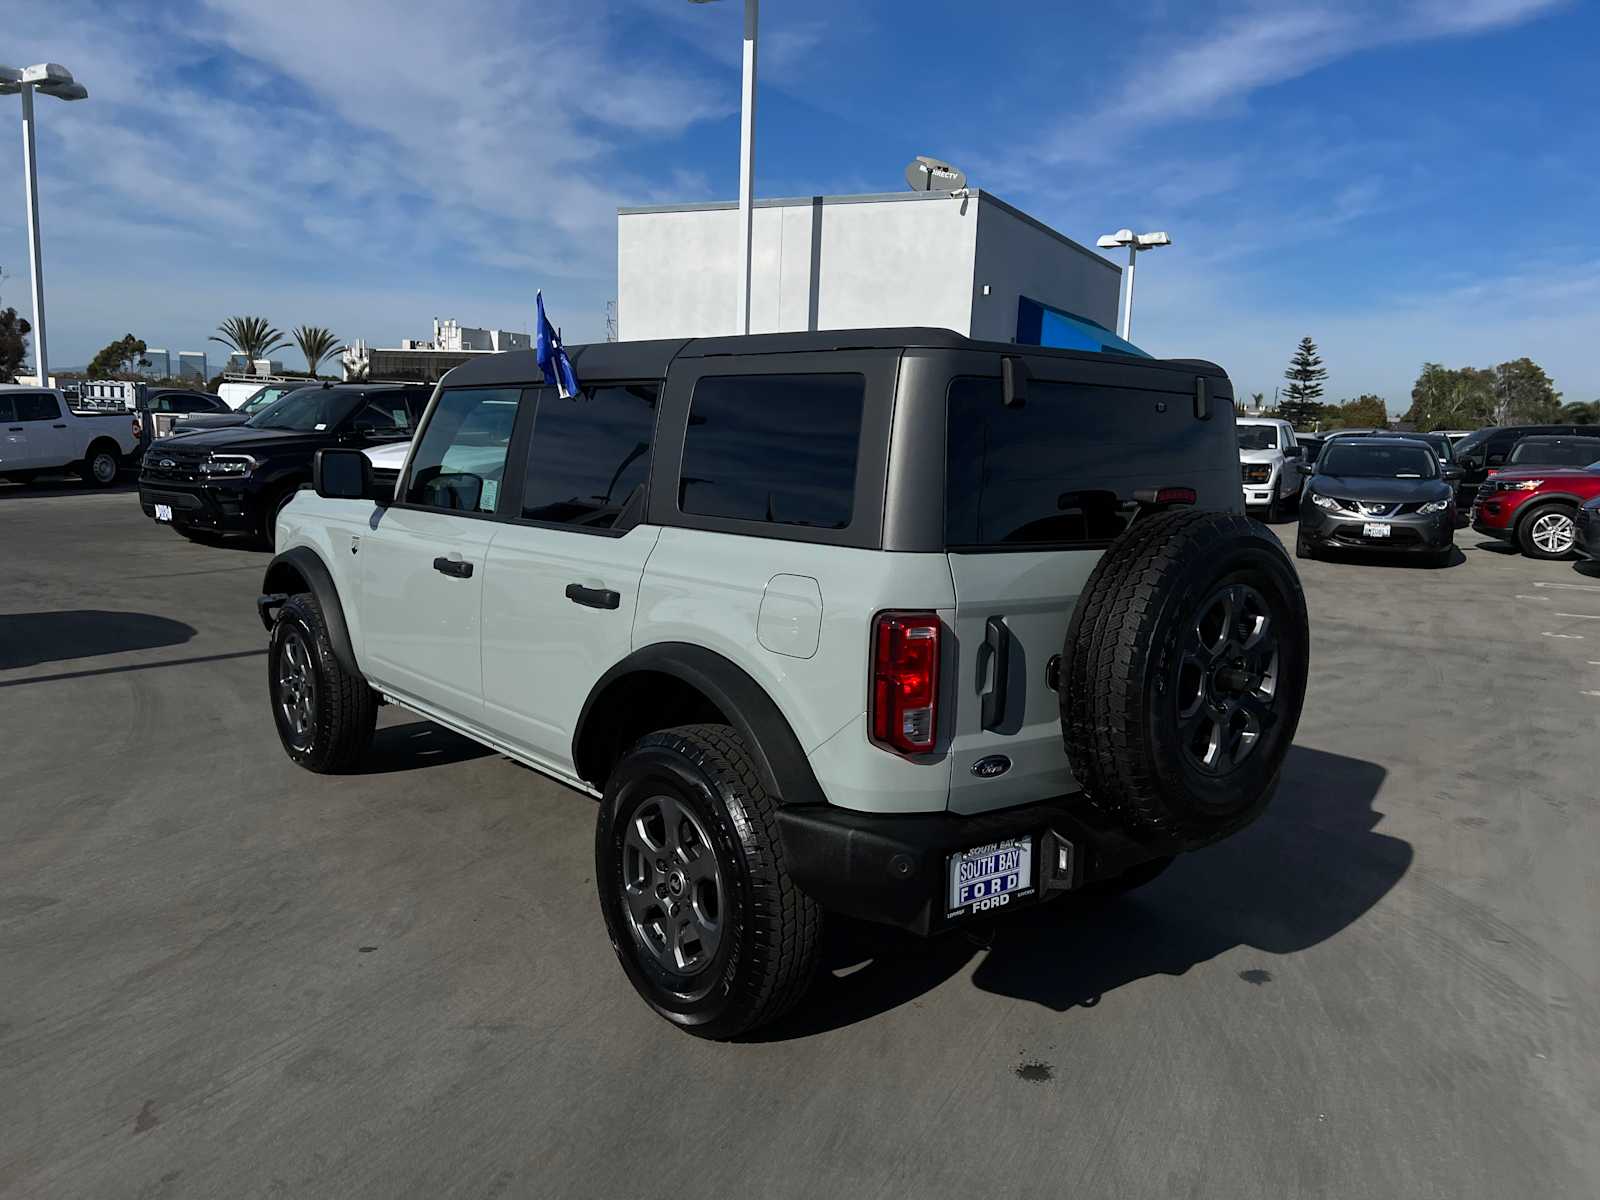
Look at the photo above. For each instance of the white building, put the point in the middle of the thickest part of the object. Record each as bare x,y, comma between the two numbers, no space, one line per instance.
160,364
451,335
966,261
452,344
192,365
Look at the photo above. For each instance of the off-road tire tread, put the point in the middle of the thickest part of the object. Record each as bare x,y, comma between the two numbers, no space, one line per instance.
1103,701
347,708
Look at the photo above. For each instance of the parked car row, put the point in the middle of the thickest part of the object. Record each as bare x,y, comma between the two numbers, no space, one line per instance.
1377,489
40,432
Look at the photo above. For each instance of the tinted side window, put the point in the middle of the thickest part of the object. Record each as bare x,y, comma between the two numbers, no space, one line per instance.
384,412
8,410
1055,470
461,460
780,449
36,406
589,454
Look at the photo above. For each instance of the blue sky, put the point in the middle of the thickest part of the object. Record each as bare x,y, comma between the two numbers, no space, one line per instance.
1401,181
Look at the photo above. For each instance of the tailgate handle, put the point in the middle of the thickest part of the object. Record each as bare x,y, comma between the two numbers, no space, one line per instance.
998,638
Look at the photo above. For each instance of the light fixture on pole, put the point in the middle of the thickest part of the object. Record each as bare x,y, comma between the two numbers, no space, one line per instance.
50,79
1135,242
747,145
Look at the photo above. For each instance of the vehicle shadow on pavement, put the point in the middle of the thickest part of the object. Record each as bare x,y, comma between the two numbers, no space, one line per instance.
30,639
45,489
1309,868
414,745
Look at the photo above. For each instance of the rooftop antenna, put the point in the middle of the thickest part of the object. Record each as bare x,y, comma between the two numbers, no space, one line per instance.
611,320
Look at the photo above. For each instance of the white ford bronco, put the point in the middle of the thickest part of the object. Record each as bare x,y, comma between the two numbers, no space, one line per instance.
888,623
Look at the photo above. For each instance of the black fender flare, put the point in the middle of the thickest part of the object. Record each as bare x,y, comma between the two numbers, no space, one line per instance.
780,760
278,585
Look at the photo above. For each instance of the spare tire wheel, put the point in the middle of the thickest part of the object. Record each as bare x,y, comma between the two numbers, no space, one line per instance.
1183,675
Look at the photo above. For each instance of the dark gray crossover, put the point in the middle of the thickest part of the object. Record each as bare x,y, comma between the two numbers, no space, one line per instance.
1378,494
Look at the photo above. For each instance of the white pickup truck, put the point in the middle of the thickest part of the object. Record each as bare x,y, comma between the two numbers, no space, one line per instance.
39,433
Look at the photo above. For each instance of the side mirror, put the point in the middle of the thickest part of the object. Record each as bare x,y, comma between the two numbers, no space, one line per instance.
1450,474
1496,460
1294,452
342,475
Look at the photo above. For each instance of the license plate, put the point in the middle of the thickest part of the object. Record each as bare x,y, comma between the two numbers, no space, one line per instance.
989,876
163,512
1375,529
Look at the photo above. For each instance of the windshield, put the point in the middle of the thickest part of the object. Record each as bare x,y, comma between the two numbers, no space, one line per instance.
1472,441
1354,460
1258,437
1579,452
267,397
306,410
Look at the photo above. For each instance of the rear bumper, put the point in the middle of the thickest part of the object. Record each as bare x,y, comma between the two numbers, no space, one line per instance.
892,869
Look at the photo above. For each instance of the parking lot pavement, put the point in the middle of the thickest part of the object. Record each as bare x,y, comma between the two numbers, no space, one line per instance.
223,976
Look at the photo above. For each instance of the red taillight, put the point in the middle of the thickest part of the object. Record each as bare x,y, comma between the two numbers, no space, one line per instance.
138,426
905,681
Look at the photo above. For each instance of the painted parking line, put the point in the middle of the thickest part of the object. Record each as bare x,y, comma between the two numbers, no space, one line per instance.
1575,637
1578,616
1571,587
1519,597
1589,693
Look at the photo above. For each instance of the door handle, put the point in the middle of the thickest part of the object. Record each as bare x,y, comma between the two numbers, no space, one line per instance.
15,429
453,567
998,638
593,597
61,426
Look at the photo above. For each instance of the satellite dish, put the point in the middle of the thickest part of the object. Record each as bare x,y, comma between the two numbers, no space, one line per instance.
930,175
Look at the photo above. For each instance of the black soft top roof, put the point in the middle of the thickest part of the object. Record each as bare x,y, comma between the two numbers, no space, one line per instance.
650,360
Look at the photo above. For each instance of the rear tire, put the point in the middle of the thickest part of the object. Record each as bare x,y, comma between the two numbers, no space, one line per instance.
325,714
694,886
1547,531
1183,675
101,464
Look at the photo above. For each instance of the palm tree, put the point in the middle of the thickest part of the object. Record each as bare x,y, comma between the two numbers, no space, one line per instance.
316,343
253,337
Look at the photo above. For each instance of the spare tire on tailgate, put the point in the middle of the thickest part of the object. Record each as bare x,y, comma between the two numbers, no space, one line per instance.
1183,675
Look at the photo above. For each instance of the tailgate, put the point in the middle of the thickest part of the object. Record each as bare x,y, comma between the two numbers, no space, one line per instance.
1011,607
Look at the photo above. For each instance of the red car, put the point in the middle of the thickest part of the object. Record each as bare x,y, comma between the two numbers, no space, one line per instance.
1534,504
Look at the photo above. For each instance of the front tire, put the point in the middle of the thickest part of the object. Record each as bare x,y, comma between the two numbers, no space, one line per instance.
694,886
1548,531
325,714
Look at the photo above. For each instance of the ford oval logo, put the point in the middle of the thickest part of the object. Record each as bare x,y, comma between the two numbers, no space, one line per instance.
166,464
992,767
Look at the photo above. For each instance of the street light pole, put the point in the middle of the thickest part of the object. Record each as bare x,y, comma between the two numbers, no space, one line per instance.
53,80
747,166
1135,242
30,170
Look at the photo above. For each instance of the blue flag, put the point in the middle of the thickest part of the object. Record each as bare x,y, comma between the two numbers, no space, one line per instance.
551,355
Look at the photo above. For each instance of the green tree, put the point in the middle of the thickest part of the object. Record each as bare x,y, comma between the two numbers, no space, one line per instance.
1524,394
1300,404
14,331
122,357
1364,412
1580,413
253,337
1452,398
316,343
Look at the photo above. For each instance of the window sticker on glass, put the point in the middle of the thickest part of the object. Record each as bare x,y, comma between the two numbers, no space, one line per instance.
322,424
491,493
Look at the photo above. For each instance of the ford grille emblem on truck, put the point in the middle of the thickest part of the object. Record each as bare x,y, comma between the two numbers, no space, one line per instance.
992,767
166,464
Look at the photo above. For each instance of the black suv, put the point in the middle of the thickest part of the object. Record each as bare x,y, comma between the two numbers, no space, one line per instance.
1487,449
235,480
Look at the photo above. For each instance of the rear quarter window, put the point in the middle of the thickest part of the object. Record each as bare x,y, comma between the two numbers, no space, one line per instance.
1061,468
774,449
